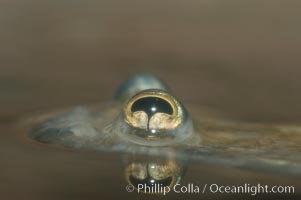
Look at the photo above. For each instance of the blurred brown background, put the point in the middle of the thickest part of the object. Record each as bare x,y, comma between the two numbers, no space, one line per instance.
240,57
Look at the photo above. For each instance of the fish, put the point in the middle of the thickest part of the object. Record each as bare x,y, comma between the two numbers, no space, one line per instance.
145,117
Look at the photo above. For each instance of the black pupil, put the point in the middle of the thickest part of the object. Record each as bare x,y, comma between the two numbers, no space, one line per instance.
152,105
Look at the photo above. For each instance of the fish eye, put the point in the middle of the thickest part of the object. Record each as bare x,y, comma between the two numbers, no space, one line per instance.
154,117
154,112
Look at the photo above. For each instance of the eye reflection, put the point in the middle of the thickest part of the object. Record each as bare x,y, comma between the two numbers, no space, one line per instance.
152,173
149,181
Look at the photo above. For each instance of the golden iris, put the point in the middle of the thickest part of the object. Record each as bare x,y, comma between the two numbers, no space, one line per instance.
154,111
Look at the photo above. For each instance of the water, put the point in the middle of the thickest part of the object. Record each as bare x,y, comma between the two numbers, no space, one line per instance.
47,171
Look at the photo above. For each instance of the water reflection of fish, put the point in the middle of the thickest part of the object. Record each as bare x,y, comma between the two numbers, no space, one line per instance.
145,113
153,174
